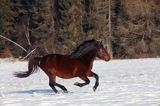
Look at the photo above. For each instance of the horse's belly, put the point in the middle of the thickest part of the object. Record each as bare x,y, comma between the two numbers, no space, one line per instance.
65,75
69,70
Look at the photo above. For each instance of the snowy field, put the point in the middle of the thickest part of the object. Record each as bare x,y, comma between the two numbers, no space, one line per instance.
122,83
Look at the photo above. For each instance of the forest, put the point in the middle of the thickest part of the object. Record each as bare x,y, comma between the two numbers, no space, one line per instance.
127,28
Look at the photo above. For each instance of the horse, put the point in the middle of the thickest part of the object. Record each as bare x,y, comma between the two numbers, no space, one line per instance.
78,64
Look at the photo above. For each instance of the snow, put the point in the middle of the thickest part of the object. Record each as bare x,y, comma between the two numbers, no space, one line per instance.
122,83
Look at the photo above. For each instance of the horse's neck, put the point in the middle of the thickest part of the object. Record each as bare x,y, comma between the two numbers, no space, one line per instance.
90,56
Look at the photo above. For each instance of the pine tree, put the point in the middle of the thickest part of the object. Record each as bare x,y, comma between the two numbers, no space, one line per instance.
42,25
7,18
62,16
7,27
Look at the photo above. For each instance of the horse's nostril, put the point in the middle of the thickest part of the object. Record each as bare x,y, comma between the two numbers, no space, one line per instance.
107,57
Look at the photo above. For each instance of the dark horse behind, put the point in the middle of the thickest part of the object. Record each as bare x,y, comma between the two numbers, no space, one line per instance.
77,64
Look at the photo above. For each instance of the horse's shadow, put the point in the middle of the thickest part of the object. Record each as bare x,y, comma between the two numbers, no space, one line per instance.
34,91
39,91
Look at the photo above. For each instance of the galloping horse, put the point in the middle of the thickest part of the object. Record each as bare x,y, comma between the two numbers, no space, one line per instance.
77,64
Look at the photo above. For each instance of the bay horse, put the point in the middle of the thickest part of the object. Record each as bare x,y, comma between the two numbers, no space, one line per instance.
77,64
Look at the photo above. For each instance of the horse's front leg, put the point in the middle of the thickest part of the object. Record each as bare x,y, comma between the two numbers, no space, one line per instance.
85,79
97,81
92,74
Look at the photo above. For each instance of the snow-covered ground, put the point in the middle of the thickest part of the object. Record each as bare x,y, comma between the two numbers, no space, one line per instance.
122,83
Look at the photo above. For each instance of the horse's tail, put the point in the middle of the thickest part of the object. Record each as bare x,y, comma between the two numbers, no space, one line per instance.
32,67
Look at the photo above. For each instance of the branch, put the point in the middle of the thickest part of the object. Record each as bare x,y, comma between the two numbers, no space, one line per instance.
27,32
27,36
29,54
14,43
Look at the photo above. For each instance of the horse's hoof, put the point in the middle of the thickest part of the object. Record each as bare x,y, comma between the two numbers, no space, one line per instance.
76,83
56,92
65,91
94,89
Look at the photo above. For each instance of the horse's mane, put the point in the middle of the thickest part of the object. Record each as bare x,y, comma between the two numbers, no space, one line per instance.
84,48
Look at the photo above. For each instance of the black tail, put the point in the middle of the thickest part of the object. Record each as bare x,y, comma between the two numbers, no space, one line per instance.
32,67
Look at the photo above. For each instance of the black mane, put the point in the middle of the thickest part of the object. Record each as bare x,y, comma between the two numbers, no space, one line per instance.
84,48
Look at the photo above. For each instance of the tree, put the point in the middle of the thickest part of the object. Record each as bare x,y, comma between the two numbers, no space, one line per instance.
41,24
7,26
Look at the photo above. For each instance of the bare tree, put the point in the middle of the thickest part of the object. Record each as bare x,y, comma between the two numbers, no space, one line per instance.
109,45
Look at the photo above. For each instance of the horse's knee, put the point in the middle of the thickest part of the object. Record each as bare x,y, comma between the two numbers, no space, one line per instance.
51,82
96,76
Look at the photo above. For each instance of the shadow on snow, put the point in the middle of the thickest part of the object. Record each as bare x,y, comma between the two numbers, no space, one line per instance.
34,91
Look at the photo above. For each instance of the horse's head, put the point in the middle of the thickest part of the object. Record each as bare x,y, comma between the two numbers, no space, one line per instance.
90,46
101,52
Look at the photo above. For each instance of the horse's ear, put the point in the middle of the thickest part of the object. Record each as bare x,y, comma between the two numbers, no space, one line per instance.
100,42
97,42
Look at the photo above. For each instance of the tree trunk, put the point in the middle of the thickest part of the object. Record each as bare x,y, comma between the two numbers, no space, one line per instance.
109,43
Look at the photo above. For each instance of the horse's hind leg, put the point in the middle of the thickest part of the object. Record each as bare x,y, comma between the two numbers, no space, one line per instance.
62,87
52,84
84,78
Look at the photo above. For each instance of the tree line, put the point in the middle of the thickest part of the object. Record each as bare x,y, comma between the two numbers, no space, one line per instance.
128,29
